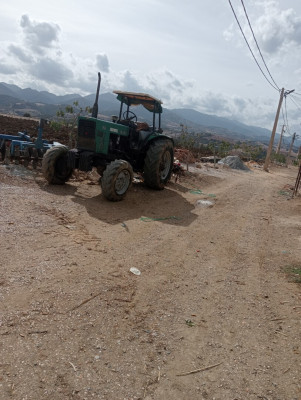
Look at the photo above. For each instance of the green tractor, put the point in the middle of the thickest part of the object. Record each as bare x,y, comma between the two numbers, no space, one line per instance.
116,148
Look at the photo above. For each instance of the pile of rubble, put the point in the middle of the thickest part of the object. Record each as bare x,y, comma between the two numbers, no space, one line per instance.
185,156
234,162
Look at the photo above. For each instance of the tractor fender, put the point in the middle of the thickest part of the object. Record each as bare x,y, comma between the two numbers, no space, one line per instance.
153,138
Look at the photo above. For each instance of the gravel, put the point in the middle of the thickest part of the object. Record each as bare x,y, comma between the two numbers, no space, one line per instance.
234,162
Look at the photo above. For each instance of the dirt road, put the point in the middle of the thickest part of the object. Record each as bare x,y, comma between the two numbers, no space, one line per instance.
211,316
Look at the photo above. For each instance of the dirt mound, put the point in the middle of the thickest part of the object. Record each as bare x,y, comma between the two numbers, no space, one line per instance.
184,155
11,125
234,162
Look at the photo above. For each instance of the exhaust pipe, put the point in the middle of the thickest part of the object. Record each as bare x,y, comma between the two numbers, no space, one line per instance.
95,106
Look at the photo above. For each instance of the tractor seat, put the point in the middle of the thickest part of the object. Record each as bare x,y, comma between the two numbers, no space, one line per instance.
142,126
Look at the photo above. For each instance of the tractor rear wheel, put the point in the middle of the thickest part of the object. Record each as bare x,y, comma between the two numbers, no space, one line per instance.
158,164
116,180
54,165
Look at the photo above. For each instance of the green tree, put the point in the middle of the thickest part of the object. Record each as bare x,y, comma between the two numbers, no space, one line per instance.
185,141
223,149
67,118
280,158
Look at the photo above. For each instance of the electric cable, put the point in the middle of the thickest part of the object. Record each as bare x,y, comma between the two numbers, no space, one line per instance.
287,124
283,116
276,88
257,44
295,102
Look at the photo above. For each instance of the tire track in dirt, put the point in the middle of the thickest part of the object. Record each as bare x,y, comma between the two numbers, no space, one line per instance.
241,306
77,324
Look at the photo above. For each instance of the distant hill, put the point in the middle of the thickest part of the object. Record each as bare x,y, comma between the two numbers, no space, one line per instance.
14,100
213,121
34,96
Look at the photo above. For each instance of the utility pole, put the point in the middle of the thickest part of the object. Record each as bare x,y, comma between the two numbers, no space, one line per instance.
268,156
291,147
270,148
280,140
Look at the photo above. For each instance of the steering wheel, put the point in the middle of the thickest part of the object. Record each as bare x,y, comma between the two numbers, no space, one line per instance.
126,114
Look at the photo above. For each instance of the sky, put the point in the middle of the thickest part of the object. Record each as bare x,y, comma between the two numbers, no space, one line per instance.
188,53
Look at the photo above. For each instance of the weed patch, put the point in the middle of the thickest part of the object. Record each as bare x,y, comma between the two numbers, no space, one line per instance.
293,273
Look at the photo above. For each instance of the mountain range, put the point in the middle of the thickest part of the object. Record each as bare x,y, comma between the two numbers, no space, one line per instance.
14,100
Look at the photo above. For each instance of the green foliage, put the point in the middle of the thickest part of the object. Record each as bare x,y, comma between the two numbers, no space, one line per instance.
220,148
253,152
223,149
67,118
293,272
189,322
278,158
55,125
204,143
186,140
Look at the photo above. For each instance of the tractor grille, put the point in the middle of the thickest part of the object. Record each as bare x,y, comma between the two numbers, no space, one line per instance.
86,134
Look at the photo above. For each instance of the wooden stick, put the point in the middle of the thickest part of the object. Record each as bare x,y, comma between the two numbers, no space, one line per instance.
85,301
73,366
199,370
281,333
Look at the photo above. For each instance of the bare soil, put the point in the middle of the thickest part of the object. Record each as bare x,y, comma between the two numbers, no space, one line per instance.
211,316
11,125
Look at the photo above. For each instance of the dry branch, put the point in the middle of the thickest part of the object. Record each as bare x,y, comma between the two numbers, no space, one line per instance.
85,301
199,370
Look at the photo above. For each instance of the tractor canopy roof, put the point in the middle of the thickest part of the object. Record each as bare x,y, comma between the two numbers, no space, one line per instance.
135,99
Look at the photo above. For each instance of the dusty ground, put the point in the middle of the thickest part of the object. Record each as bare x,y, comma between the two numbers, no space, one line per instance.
77,324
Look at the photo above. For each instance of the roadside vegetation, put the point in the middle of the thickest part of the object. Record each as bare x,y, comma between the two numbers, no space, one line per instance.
203,144
67,117
293,272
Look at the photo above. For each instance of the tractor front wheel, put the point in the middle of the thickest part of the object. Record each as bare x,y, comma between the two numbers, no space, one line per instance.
158,164
116,180
54,165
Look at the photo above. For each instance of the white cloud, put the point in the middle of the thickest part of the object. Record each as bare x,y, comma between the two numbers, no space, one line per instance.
19,53
6,68
279,30
39,35
51,71
102,62
176,52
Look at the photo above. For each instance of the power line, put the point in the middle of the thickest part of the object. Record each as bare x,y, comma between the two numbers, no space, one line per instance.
275,87
283,116
295,102
285,108
257,44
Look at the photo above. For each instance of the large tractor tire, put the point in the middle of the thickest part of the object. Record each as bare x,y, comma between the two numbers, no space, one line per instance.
158,164
116,180
54,165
